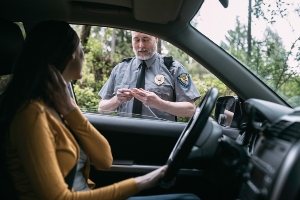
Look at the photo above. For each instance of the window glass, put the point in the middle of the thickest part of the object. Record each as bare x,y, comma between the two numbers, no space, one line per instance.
263,35
105,47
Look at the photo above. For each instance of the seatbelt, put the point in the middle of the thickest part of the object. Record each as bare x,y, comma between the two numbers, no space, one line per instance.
69,179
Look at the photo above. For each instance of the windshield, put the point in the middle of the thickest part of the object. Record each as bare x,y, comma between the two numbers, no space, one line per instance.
264,35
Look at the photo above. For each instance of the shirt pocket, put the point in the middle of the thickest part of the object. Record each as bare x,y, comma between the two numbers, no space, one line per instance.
165,92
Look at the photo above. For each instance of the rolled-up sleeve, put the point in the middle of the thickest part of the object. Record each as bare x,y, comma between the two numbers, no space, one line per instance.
107,91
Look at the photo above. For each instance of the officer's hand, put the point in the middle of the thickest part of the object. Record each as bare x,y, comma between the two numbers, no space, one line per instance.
148,98
124,95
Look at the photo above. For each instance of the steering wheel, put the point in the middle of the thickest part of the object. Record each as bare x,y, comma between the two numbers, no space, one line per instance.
190,135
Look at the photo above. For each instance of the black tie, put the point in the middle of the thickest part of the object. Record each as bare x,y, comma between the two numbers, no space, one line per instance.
140,83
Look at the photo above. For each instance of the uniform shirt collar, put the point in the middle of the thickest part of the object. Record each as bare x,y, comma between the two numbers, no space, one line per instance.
148,62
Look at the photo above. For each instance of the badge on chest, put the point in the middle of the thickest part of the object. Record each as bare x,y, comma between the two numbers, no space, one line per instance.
159,79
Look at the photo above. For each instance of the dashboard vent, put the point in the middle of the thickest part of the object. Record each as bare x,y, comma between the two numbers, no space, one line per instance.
291,133
277,128
297,112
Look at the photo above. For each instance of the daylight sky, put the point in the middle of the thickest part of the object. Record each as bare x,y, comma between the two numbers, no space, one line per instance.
215,21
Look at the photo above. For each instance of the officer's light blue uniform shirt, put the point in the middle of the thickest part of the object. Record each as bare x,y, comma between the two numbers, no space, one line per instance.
124,75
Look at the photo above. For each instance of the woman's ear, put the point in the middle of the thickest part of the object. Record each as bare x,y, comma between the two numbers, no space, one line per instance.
73,56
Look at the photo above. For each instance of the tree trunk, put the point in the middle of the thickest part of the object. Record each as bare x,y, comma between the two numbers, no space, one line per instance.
85,32
113,44
249,37
159,46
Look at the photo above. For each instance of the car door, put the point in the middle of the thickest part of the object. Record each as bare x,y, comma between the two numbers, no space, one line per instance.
142,145
139,146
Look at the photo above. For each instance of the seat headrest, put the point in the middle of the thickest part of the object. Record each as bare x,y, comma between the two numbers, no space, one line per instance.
10,44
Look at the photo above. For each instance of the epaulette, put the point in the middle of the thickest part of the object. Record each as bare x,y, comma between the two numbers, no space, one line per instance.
127,59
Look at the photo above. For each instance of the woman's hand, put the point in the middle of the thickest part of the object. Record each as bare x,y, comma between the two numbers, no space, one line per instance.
59,92
152,179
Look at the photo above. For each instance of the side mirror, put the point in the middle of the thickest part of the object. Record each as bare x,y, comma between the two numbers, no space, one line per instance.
227,111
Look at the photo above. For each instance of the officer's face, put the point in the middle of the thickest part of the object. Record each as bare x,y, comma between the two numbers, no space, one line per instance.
144,46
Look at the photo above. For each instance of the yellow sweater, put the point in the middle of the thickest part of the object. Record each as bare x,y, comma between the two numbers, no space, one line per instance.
42,151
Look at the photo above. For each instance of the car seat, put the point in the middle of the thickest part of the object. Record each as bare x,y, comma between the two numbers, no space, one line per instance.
10,44
11,41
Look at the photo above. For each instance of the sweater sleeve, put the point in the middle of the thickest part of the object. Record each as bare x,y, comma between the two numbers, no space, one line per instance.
33,140
93,143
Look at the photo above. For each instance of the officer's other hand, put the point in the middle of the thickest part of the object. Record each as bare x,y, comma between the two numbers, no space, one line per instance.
124,95
148,98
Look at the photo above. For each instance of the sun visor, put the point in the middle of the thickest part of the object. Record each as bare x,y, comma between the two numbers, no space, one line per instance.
156,11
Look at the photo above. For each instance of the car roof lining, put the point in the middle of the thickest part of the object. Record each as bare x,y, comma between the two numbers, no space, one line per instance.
128,20
135,14
146,11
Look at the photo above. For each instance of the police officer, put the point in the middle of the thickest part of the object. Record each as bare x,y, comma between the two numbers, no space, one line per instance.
169,90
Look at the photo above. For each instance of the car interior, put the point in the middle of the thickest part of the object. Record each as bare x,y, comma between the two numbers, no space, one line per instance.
255,156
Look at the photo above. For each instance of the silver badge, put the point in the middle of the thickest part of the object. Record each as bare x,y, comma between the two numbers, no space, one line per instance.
159,79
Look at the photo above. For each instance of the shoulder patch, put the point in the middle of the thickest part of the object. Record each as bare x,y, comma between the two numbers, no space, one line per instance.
126,59
184,79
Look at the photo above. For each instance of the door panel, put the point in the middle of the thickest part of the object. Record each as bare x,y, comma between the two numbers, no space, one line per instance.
140,146
138,141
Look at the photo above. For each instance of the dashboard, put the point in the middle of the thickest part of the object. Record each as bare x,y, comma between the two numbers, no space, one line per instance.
270,137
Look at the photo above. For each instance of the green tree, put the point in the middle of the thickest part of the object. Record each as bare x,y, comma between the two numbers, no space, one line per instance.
188,62
268,58
104,48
